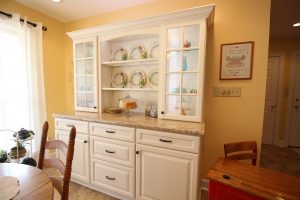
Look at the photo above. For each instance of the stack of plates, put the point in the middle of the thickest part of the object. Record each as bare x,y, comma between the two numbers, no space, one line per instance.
113,110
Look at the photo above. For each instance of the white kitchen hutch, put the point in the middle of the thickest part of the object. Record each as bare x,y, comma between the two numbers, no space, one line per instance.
159,59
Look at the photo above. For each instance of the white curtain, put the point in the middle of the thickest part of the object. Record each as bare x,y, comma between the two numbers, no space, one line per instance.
22,99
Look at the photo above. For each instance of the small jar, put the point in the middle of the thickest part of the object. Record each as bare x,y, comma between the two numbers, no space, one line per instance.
153,111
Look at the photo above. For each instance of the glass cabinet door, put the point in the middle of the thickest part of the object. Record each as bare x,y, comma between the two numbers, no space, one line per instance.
85,75
183,73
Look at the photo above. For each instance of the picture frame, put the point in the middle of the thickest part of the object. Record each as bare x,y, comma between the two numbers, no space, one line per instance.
236,61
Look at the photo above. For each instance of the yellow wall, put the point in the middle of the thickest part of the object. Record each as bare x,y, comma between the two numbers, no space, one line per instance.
227,119
284,46
54,69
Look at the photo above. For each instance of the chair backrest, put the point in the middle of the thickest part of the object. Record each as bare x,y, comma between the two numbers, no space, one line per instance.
241,151
65,169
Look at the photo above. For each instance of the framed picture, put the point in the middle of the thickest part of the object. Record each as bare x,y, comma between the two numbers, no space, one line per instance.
236,61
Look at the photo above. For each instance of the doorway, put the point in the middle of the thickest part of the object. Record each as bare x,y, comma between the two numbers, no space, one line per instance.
272,100
293,119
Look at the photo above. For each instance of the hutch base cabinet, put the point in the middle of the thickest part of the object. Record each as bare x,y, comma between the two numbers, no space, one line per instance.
132,163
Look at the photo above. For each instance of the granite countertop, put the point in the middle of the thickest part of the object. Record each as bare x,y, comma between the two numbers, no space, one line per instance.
139,121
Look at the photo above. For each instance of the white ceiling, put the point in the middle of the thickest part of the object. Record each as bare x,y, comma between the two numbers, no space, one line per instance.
70,10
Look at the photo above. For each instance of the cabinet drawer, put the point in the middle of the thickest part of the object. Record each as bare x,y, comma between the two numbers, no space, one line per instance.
113,177
115,151
111,131
186,143
66,124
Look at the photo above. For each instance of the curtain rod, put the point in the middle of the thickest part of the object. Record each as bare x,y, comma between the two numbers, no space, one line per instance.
44,28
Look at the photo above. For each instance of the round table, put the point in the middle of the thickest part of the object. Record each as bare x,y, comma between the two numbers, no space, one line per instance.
34,183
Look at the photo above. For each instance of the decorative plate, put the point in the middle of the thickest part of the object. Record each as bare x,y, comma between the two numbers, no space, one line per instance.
153,50
119,54
153,78
138,79
138,52
119,79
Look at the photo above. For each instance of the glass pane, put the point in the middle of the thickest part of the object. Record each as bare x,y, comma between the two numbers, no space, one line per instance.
174,38
89,49
190,60
191,36
89,83
80,99
79,48
189,83
90,100
80,83
80,68
89,66
172,104
189,105
174,61
173,83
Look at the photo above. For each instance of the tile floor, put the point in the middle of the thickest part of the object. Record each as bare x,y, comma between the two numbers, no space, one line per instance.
285,160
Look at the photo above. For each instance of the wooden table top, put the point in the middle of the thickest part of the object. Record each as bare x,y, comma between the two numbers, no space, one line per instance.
34,183
259,181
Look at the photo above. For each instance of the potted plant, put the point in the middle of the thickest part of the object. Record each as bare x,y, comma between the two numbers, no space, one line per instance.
3,156
21,138
19,150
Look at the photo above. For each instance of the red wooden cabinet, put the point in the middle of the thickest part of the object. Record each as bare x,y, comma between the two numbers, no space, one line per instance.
219,191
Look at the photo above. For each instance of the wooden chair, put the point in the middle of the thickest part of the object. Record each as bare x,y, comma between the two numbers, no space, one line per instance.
61,186
241,151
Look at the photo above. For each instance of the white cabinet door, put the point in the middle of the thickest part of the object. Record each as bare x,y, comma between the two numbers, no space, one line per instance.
80,165
85,74
182,71
165,174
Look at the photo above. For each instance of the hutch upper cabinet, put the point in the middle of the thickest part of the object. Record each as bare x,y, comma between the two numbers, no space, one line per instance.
159,59
85,74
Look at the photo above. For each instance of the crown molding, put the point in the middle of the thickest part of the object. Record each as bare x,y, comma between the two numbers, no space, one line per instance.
203,12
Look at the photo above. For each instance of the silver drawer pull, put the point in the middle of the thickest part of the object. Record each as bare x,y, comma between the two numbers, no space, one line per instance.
168,141
110,131
70,125
108,151
109,178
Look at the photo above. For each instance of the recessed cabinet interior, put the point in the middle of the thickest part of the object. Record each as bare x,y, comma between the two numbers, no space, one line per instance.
129,66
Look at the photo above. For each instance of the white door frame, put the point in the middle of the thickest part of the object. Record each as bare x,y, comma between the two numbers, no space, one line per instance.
279,94
290,99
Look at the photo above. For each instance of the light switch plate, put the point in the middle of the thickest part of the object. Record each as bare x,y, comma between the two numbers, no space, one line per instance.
227,91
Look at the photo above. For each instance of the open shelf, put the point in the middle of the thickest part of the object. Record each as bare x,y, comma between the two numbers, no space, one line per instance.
150,61
184,49
131,89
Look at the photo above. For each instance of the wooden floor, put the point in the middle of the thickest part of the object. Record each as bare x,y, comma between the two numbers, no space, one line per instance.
285,160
